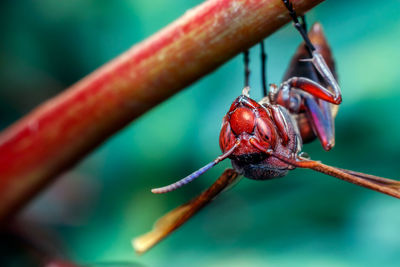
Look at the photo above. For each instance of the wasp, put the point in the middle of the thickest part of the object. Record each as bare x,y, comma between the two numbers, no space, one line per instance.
264,139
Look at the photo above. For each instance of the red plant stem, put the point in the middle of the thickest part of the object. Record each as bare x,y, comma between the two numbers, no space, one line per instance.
61,131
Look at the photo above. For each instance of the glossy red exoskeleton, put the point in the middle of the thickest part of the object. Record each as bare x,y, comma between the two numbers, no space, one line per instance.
264,139
254,128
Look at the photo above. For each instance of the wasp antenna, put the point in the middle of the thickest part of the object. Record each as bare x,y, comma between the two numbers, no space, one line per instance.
196,174
183,181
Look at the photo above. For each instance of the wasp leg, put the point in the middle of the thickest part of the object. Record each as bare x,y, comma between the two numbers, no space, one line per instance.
299,26
303,22
304,95
313,88
263,68
321,119
280,122
246,61
319,63
317,60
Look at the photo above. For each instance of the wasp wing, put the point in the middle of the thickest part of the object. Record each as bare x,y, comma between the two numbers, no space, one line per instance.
178,216
380,184
375,179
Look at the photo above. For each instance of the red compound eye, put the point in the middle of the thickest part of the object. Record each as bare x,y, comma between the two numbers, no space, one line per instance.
242,120
226,138
264,131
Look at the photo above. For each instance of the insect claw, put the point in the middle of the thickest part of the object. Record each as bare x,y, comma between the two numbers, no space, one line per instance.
306,59
304,155
269,151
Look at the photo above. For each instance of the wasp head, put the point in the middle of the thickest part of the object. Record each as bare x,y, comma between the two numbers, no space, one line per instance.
246,120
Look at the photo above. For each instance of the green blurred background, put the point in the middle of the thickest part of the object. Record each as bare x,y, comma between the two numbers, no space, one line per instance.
94,210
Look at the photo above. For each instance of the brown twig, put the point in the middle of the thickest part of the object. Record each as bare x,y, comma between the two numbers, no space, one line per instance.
61,131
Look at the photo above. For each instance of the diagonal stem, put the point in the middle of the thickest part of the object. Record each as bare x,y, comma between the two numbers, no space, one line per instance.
57,134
